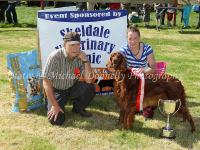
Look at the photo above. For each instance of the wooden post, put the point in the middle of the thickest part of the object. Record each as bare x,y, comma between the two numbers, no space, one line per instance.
39,49
40,58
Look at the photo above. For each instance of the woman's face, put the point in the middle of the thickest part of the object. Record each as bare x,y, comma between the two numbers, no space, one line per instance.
133,39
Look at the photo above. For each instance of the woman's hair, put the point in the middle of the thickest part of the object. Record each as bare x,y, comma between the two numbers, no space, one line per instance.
133,29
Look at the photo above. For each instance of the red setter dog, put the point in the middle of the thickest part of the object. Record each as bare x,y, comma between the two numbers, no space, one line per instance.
126,86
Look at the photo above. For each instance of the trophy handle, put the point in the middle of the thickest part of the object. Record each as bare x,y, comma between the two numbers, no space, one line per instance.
178,106
159,107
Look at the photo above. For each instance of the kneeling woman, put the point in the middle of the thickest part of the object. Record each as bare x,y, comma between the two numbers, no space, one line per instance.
139,56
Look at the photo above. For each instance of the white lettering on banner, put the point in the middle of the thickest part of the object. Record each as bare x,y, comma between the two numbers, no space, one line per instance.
55,16
77,15
117,14
80,15
89,14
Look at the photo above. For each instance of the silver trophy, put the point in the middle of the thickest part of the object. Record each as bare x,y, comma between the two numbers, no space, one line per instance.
169,108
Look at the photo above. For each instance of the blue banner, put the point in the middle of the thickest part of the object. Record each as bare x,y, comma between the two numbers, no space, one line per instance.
82,16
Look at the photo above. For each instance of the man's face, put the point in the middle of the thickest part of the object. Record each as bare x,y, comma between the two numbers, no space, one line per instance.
72,49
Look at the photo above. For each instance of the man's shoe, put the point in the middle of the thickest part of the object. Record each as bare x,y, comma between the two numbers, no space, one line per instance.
82,113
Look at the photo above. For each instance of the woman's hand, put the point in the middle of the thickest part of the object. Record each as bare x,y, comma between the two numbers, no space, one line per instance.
146,70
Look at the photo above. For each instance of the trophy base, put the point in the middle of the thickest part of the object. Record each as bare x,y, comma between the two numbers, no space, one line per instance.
168,133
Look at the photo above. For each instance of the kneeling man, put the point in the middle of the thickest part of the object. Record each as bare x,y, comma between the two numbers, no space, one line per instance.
60,83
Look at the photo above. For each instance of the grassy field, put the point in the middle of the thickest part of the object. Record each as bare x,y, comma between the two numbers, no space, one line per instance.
31,131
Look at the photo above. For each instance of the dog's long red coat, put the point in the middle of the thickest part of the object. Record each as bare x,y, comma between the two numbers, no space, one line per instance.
126,87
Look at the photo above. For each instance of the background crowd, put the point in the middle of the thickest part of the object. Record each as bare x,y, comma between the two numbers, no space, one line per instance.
137,13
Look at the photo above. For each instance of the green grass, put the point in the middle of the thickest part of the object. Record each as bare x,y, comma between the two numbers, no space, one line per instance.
32,131
26,141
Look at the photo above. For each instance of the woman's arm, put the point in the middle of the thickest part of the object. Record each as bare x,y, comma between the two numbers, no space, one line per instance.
152,65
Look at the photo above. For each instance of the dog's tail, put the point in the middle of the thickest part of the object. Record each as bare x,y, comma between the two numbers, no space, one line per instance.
184,111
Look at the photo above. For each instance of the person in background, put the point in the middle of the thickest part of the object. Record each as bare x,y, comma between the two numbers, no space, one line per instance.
104,5
3,7
126,6
187,8
63,4
61,84
146,15
198,24
114,6
175,11
163,13
97,6
170,14
81,5
11,14
159,11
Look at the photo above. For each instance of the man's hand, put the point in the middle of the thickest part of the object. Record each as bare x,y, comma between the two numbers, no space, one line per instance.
87,67
54,112
82,56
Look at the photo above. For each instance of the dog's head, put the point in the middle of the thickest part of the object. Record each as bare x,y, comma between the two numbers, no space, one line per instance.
117,62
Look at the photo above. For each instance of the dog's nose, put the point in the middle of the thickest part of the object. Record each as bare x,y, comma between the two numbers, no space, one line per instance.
115,61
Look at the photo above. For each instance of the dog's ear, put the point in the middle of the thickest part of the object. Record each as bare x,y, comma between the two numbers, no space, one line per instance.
109,62
123,65
111,57
109,67
112,54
